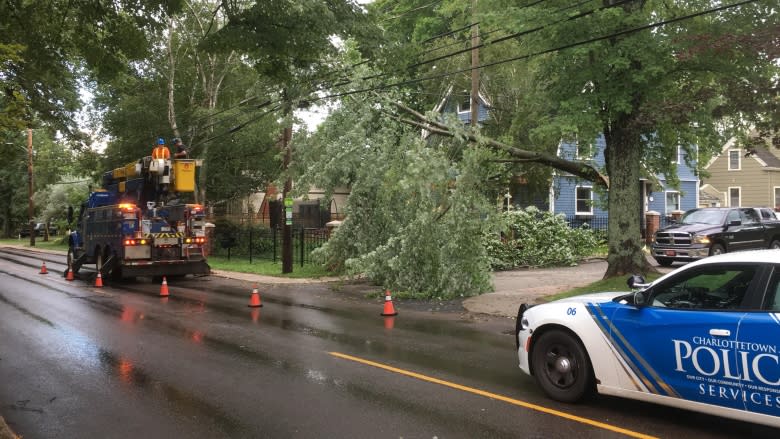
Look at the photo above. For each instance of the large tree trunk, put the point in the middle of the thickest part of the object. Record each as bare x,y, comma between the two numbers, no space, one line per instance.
623,154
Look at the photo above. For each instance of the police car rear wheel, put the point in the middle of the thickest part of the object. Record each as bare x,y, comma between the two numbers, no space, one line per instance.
561,367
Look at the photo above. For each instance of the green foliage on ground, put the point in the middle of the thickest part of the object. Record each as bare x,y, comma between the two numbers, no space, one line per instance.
535,238
416,211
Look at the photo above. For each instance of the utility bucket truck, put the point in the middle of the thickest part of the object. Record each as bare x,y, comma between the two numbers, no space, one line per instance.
138,224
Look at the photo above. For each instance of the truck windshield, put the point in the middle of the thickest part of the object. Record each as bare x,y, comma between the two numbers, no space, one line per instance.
704,216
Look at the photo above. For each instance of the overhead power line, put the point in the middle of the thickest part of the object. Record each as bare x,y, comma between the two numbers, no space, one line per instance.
445,34
499,62
543,52
401,14
519,34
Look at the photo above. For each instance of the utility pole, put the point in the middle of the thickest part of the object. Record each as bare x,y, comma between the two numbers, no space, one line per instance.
474,66
30,205
287,247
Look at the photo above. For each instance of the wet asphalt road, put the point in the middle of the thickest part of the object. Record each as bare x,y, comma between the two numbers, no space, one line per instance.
121,362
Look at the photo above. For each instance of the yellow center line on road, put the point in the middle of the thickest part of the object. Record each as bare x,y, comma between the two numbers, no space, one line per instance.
506,399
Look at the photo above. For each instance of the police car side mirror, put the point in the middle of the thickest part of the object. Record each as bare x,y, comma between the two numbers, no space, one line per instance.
640,298
636,281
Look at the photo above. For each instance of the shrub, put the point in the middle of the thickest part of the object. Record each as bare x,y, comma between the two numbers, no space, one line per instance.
535,238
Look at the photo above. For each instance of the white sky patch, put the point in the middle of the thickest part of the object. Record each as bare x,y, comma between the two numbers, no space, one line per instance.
99,143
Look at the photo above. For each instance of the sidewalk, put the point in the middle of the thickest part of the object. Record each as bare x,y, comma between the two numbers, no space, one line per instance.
529,285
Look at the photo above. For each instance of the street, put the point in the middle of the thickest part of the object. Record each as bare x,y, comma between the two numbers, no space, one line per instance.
121,362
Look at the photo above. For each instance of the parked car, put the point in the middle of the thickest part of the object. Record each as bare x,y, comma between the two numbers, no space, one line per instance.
39,230
705,337
714,230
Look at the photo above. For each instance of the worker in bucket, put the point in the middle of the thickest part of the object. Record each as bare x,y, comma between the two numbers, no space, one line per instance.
161,151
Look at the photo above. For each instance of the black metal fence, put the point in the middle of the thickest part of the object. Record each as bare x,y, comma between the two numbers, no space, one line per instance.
601,223
265,243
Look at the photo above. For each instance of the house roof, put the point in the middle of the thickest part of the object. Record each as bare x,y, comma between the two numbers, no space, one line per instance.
765,157
759,153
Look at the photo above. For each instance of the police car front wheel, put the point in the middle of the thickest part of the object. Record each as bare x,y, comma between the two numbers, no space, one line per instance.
561,367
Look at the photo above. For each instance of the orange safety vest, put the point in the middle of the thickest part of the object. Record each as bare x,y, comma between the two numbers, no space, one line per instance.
161,152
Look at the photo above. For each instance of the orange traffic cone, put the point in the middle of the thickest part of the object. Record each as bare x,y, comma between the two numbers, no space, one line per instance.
99,281
69,275
164,288
43,268
389,310
254,299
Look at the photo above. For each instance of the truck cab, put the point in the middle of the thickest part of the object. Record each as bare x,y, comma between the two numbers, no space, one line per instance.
709,231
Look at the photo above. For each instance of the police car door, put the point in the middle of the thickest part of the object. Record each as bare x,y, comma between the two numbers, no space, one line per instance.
758,349
679,344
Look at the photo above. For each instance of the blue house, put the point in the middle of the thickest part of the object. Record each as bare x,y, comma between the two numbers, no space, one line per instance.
460,104
580,202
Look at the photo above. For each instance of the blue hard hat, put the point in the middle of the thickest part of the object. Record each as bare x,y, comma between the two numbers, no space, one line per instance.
161,141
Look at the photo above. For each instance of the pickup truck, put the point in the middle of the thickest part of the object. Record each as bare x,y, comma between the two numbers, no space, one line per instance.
40,229
714,230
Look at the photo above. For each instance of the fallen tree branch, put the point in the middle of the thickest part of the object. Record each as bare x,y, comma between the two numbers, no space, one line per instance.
576,168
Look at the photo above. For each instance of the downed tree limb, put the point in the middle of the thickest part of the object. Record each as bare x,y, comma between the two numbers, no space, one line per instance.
577,168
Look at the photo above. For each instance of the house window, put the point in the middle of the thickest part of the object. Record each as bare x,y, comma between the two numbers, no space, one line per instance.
676,158
735,195
584,200
672,202
464,106
735,160
777,199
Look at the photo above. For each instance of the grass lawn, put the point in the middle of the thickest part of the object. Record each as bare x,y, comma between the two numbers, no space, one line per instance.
600,286
54,243
266,267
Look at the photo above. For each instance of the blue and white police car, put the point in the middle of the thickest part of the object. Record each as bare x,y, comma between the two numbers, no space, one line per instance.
704,337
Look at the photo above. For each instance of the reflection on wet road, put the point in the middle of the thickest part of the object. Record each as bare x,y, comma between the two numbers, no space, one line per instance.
121,361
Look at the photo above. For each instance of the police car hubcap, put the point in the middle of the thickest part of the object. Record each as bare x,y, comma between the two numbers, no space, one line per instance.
563,365
560,367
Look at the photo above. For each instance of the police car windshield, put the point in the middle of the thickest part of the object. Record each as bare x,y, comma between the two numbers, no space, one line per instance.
704,216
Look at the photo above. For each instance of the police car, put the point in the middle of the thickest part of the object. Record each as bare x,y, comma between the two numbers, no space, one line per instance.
704,337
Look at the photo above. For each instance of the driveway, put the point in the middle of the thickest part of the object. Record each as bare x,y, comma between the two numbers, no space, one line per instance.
530,285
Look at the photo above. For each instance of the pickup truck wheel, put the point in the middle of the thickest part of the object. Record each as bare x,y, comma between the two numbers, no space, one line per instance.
717,249
664,262
561,367
775,244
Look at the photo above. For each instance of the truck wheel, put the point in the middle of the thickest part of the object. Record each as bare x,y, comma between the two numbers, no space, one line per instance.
775,244
561,367
664,262
717,249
